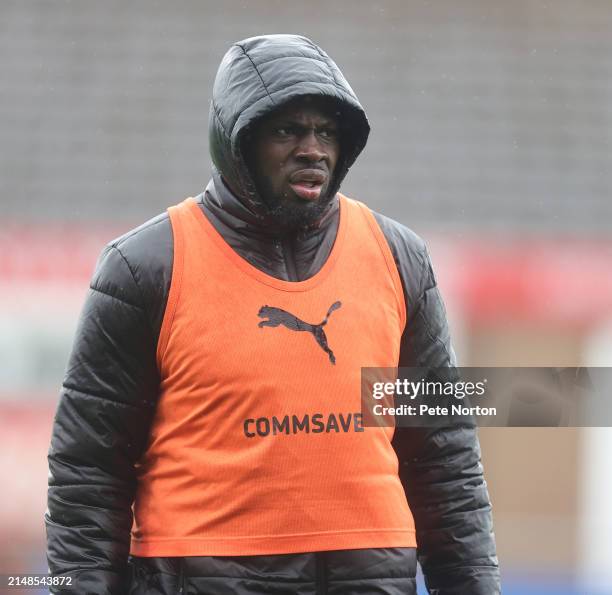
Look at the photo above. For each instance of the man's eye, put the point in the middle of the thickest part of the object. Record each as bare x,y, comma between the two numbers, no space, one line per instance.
328,133
284,131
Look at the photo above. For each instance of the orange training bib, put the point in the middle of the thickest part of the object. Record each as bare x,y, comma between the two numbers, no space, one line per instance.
258,445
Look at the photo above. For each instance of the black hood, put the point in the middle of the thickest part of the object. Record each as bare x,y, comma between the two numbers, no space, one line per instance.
260,74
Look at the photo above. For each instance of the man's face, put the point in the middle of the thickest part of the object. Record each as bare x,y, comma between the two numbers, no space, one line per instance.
292,155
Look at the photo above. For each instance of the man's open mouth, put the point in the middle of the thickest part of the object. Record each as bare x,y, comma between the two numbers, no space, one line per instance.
307,183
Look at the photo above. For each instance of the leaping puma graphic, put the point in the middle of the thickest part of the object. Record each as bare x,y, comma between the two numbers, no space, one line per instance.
277,316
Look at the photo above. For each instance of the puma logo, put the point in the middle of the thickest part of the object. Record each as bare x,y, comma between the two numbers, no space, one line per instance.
276,317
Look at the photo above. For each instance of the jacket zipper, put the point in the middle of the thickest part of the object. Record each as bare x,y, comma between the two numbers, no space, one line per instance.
320,573
181,576
289,259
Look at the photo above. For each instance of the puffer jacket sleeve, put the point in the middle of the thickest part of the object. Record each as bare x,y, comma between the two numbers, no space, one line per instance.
440,468
99,431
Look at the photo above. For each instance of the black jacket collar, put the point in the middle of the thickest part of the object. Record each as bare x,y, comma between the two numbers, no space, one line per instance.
293,256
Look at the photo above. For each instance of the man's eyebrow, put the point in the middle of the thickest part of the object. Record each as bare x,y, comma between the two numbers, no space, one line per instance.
291,121
330,122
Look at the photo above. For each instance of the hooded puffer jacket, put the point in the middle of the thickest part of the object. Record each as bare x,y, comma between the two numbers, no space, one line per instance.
109,392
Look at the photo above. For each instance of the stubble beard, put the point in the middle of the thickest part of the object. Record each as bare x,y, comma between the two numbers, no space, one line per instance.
290,213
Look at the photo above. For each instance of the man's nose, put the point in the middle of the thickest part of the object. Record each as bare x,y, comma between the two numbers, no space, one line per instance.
310,148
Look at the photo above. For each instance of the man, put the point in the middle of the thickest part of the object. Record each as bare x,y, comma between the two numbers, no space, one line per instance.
214,378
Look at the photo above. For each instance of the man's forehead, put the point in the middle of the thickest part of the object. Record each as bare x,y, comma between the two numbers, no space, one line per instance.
307,107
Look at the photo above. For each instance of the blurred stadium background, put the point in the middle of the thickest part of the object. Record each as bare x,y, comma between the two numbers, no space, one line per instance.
491,137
